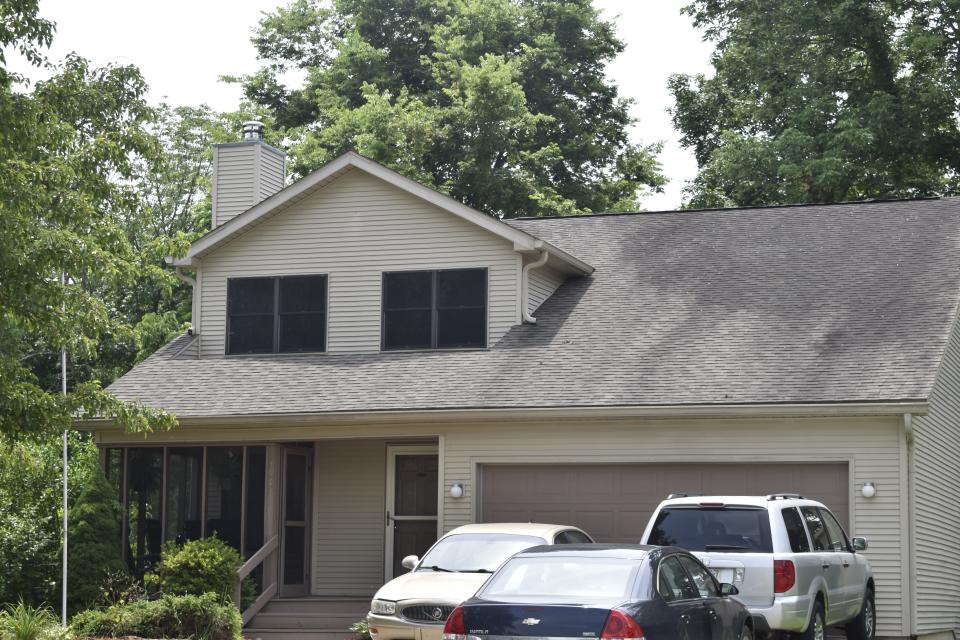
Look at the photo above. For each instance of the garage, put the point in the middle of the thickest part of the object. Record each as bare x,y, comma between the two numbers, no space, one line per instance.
614,501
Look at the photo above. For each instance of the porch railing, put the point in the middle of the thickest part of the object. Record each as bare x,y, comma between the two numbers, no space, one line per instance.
264,553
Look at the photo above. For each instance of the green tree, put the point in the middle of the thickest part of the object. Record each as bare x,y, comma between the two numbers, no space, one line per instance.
94,543
822,101
68,150
503,104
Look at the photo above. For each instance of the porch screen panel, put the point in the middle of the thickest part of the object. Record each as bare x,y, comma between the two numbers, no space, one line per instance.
184,477
256,490
114,471
224,494
144,486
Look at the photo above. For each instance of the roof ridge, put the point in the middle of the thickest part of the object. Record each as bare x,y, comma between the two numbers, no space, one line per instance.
842,203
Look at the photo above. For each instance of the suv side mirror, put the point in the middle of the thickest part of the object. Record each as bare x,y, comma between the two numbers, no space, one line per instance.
727,589
859,544
409,562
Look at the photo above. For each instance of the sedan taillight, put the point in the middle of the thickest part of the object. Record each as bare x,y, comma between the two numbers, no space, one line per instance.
455,628
620,625
784,576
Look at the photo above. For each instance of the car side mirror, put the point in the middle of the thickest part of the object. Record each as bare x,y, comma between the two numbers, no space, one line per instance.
727,589
859,544
409,562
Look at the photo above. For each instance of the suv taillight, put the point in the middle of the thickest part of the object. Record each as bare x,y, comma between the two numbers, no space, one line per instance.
784,576
455,627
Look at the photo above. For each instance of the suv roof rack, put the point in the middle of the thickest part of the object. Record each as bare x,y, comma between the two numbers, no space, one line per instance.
784,496
682,495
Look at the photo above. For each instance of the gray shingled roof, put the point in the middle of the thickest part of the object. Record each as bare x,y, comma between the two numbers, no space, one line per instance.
805,304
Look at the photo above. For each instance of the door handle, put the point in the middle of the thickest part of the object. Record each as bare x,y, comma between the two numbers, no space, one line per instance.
846,563
685,618
825,565
389,519
713,613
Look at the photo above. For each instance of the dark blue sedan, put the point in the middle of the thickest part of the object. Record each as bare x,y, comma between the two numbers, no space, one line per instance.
603,591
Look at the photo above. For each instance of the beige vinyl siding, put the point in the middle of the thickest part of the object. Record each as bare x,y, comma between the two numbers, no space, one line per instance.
543,282
349,486
871,446
936,509
353,230
272,172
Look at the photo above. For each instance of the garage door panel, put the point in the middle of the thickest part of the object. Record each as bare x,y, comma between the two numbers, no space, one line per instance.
614,502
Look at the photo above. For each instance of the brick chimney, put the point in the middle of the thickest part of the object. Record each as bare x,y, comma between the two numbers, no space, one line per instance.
245,173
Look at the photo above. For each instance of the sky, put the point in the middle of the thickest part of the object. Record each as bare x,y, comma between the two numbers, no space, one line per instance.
182,47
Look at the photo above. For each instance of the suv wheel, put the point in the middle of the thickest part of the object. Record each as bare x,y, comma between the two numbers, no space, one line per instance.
746,634
817,629
864,626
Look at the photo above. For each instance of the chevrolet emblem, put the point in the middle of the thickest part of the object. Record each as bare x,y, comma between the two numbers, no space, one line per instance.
530,621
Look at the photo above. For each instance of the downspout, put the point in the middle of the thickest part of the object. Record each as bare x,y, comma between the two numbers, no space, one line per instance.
525,282
193,302
911,617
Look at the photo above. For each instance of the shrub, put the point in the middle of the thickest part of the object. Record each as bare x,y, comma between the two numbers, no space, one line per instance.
23,622
95,547
199,566
204,617
361,629
119,587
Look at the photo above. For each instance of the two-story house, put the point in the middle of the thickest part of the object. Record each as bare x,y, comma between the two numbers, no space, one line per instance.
372,363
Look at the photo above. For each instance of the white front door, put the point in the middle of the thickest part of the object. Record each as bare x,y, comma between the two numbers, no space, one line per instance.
412,498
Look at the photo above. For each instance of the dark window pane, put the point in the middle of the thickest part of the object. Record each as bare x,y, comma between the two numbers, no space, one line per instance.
256,482
411,537
838,539
572,537
795,531
303,294
114,471
406,329
293,554
302,332
250,295
224,493
184,471
251,334
461,328
416,485
145,468
408,290
462,288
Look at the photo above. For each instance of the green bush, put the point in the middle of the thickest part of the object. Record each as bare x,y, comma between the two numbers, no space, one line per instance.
94,544
199,566
23,622
205,617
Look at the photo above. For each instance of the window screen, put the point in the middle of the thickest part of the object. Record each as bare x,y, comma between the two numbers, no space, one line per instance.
435,309
277,315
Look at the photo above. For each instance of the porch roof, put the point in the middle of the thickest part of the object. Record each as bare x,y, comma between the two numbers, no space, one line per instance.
804,304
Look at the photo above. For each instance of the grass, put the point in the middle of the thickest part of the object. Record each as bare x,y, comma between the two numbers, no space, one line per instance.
23,622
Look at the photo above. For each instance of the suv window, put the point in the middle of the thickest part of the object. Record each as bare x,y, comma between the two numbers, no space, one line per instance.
706,585
697,528
795,531
818,531
673,583
571,537
838,539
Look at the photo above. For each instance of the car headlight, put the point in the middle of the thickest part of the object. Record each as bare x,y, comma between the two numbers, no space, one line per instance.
383,607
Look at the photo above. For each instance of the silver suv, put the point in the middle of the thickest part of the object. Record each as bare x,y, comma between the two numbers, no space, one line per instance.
788,557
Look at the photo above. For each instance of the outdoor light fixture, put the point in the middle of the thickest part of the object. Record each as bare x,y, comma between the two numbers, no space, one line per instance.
868,490
456,490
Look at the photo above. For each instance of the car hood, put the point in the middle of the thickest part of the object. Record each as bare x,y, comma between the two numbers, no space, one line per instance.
431,585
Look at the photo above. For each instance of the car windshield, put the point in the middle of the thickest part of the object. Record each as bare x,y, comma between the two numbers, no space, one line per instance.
475,552
731,529
556,578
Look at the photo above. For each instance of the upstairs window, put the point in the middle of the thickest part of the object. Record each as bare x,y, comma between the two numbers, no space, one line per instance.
435,309
276,315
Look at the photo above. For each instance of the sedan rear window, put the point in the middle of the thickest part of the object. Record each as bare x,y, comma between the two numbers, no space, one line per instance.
696,528
562,578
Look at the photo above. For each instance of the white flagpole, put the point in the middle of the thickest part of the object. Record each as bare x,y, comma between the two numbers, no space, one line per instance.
63,383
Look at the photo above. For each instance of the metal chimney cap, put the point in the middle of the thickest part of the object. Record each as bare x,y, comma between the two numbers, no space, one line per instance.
252,130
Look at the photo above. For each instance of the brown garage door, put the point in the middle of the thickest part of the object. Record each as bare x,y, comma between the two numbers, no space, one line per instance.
613,502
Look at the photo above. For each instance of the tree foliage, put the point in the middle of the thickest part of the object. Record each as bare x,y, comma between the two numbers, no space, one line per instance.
67,153
503,104
823,101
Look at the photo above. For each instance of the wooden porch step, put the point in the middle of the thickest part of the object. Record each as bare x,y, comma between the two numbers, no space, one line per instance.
295,634
345,606
317,621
